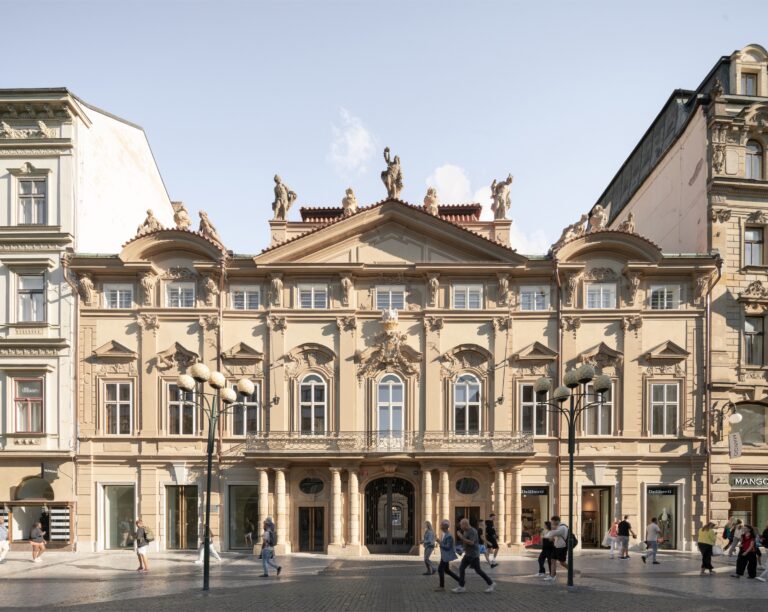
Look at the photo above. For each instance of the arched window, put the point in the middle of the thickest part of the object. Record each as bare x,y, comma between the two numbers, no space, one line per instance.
466,405
390,406
754,169
313,404
753,426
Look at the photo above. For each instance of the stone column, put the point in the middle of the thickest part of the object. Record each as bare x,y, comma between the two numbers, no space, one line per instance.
354,509
445,497
516,508
263,504
427,487
500,505
335,507
281,515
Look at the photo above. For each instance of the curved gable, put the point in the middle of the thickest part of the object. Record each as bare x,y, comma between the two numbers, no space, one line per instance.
145,246
632,246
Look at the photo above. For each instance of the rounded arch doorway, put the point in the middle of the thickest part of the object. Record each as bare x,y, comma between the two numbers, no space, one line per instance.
389,512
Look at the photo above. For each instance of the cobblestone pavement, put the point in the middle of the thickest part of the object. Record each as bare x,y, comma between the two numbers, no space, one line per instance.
108,581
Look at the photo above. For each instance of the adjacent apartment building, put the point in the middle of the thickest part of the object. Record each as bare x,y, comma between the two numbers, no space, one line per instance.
71,176
697,181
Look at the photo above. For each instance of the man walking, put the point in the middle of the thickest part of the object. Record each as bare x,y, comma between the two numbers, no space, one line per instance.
624,530
492,539
652,535
211,548
471,542
268,541
447,554
559,537
4,546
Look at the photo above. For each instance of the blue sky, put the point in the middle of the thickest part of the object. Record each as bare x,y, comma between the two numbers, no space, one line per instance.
229,93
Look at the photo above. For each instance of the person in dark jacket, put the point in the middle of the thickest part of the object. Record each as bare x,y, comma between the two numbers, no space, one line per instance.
547,552
141,543
492,538
447,554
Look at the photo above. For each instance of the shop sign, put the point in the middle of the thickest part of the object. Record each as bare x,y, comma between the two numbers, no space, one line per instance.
749,481
661,491
535,490
734,445
52,472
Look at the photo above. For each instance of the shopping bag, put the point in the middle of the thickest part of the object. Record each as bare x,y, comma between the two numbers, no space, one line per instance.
607,539
717,550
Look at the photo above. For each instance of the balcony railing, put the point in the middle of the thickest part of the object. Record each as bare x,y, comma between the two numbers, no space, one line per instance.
355,442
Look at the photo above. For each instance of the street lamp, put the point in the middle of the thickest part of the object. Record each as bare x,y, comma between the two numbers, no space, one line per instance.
578,403
209,404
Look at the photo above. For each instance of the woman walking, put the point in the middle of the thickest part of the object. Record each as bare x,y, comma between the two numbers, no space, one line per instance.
613,535
547,552
447,554
747,558
268,541
429,547
707,539
38,542
141,542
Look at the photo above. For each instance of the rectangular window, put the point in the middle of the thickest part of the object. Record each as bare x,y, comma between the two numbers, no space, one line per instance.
28,398
664,409
601,295
468,296
246,298
313,296
118,296
598,420
31,298
180,295
753,340
390,298
533,414
182,417
534,298
32,201
245,418
753,246
118,408
748,84
665,297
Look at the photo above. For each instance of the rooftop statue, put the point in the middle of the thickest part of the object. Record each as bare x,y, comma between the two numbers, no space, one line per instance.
392,176
207,228
150,224
500,194
284,198
181,217
349,203
599,219
628,225
431,201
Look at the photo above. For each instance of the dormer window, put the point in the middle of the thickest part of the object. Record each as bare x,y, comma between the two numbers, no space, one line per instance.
754,161
180,295
601,295
748,84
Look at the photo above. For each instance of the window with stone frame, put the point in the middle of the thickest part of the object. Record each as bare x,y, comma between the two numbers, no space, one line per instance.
118,295
754,246
754,160
180,294
31,298
748,84
118,408
313,296
390,297
246,418
534,415
754,341
664,297
29,402
182,413
468,296
600,295
534,297
598,420
467,405
664,408
33,201
245,297
313,405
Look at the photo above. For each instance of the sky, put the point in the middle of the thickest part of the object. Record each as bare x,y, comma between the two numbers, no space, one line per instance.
230,93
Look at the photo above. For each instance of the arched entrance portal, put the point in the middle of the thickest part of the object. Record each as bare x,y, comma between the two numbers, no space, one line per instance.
389,515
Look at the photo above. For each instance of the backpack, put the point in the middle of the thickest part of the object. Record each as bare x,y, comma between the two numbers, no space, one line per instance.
727,533
272,537
149,536
572,538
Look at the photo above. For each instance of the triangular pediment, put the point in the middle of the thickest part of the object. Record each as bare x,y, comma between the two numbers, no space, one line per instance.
176,355
242,352
602,355
390,233
114,350
535,352
667,351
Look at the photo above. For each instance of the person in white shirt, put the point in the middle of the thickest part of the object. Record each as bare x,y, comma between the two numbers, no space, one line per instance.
211,548
4,546
652,535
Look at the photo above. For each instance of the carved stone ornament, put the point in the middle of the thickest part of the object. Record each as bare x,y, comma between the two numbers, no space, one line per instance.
665,369
501,323
433,283
209,322
717,90
113,351
431,201
465,357
149,225
603,357
720,215
276,323
211,290
702,286
284,199
633,285
147,282
349,202
632,323
347,323
179,273
389,350
276,290
148,322
600,274
207,228
571,232
434,324
347,287
598,219
86,289
242,360
504,290
758,216
571,324
571,284
181,216
755,298
667,351
718,158
628,225
176,355
309,356
41,131
500,196
392,177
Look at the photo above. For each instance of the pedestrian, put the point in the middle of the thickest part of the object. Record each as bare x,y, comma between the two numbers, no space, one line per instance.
613,535
268,541
728,533
249,529
211,548
547,552
707,539
471,541
4,546
559,536
492,538
652,537
483,547
141,542
624,530
747,558
429,547
38,541
735,541
764,537
447,554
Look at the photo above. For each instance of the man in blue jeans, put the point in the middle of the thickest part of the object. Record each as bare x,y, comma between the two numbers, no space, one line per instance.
469,538
652,535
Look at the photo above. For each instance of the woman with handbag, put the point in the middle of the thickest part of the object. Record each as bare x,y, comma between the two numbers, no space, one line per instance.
447,554
747,558
707,539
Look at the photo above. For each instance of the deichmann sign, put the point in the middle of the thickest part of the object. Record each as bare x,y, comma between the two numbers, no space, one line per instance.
749,481
661,490
535,490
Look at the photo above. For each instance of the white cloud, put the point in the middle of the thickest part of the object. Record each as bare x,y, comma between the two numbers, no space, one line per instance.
532,243
451,182
352,146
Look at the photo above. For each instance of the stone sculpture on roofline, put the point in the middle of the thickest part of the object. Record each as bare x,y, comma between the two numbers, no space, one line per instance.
349,202
207,228
501,199
284,199
150,224
392,176
431,201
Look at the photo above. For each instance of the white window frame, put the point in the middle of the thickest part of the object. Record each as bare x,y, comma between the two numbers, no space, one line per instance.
746,76
21,198
593,397
253,400
248,292
671,291
181,286
536,291
389,290
314,290
119,404
178,404
390,380
602,286
749,245
313,404
121,289
466,289
20,292
467,405
664,403
15,380
534,405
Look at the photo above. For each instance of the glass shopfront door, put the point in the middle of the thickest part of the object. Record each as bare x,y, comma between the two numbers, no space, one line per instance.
596,510
661,502
535,510
244,520
182,523
312,529
119,506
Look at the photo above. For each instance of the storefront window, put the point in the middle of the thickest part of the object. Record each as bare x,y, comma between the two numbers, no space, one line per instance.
243,516
661,502
118,516
535,510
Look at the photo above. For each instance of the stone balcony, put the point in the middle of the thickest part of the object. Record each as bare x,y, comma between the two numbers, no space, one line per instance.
356,443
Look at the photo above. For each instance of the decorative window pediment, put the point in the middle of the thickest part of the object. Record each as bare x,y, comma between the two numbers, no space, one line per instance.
535,352
113,350
176,355
309,356
466,357
667,351
603,357
242,352
390,351
755,298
